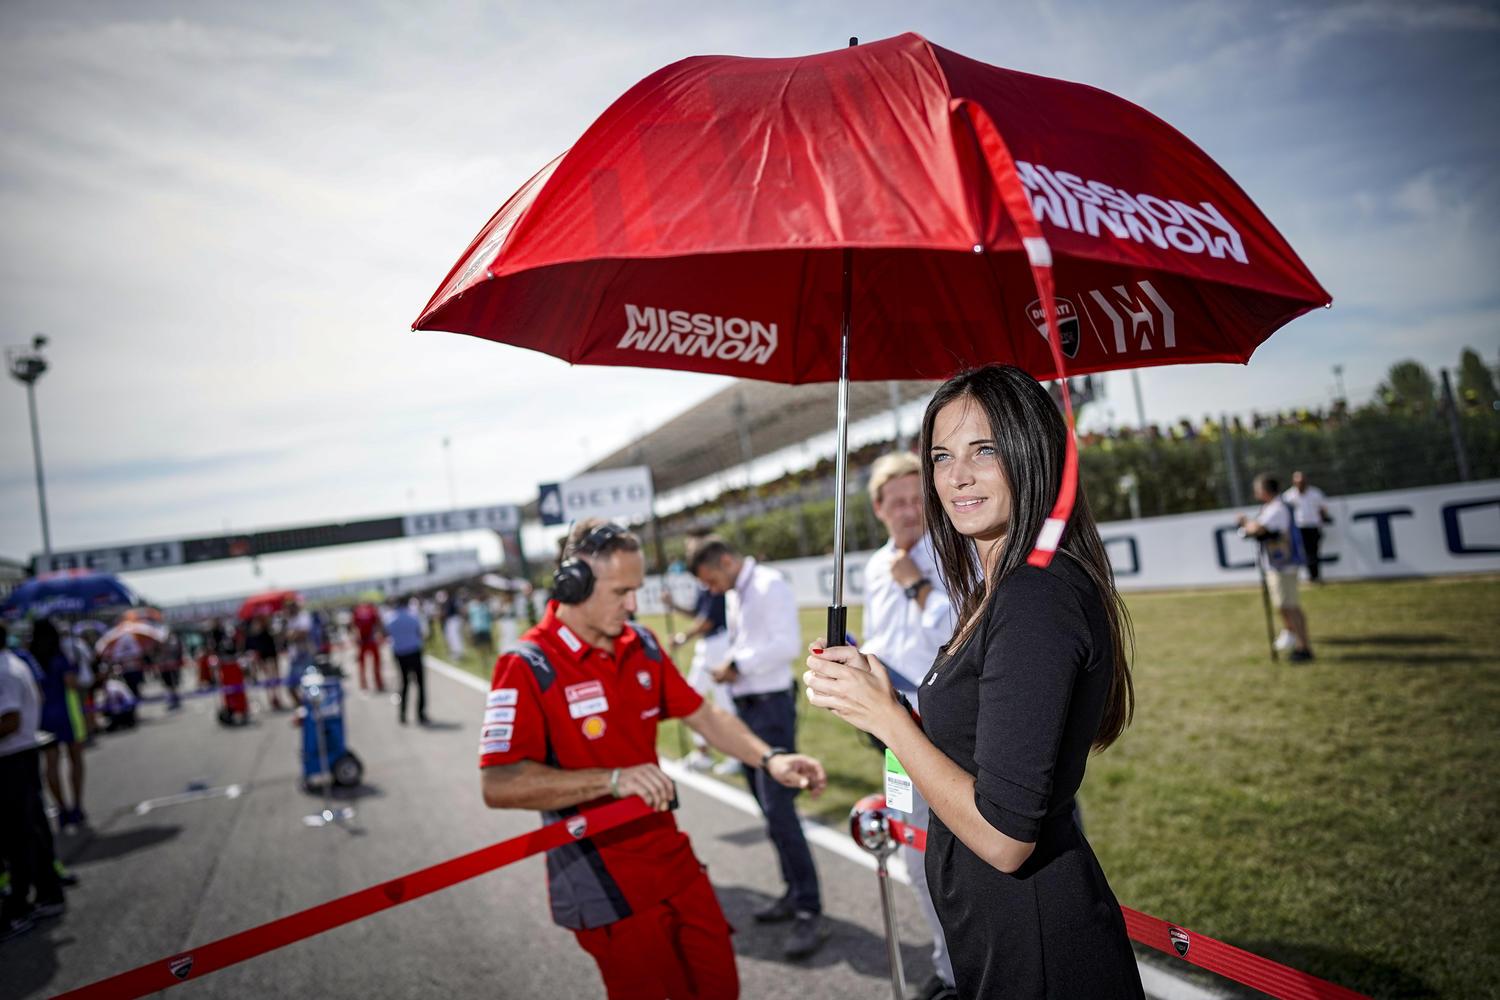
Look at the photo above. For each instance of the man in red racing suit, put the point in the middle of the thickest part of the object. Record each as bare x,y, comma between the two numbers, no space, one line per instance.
570,722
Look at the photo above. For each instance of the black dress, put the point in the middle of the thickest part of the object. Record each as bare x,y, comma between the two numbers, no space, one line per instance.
1017,706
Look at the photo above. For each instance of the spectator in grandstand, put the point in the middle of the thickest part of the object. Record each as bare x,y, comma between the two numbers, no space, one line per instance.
450,608
510,619
764,635
1035,677
367,629
1310,510
301,640
221,640
25,836
62,716
481,627
261,644
710,628
1281,557
78,646
407,631
908,617
169,668
129,662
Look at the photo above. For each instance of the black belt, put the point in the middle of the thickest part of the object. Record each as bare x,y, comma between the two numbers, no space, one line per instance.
746,700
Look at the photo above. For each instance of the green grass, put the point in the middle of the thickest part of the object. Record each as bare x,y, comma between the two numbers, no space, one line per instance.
1340,817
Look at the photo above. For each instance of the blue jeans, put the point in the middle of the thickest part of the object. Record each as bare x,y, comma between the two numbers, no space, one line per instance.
773,717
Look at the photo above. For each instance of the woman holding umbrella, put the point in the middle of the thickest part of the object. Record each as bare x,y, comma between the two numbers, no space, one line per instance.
1035,677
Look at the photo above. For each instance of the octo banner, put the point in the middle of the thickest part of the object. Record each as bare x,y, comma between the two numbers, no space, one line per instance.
1432,531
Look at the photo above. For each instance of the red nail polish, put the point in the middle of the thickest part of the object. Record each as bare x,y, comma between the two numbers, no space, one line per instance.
817,651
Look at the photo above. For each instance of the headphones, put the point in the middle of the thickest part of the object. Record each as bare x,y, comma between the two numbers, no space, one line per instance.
574,580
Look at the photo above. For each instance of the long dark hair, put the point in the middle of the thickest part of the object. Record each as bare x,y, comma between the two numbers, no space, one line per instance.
45,645
1031,440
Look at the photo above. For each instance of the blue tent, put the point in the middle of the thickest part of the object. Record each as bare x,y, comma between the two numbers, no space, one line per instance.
72,592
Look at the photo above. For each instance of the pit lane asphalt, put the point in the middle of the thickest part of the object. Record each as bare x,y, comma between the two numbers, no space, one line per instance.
184,874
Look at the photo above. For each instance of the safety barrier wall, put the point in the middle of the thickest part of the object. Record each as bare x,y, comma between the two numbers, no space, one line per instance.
1432,531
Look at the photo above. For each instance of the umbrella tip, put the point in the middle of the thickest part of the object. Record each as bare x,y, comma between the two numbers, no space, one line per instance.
853,41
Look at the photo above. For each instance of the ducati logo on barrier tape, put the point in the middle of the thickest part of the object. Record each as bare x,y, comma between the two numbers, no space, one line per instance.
181,967
578,826
1180,941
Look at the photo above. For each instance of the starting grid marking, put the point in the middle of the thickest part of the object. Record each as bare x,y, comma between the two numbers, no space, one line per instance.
227,792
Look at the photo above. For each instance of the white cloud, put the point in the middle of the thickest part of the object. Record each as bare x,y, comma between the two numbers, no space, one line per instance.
226,217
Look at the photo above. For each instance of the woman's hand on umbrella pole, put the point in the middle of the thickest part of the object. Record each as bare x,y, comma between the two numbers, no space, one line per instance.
853,686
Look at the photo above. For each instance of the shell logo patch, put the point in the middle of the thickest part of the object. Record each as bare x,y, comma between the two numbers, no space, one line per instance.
593,727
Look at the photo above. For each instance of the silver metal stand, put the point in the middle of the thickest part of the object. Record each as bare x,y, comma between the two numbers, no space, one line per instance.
868,822
329,815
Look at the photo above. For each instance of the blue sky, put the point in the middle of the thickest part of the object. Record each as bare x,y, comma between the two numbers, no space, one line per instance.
226,216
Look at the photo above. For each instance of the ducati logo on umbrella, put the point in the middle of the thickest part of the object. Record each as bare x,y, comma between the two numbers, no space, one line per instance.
578,826
1067,323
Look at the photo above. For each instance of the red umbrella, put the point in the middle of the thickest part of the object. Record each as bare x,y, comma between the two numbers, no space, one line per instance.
268,603
891,211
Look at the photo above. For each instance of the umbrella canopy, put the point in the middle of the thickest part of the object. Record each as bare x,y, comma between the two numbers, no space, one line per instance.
268,603
69,592
130,640
700,224
888,211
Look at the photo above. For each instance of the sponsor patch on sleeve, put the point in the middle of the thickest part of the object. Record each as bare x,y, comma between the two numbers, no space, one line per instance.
501,696
499,715
494,746
497,733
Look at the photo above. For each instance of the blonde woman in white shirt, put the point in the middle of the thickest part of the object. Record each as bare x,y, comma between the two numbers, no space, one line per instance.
907,617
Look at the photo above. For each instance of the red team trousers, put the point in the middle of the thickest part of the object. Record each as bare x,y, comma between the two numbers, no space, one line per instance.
372,650
678,949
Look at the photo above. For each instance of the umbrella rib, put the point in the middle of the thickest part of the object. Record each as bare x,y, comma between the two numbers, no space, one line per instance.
598,308
991,264
807,258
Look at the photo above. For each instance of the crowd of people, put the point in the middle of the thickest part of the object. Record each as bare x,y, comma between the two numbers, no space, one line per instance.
64,684
1211,428
986,679
1018,672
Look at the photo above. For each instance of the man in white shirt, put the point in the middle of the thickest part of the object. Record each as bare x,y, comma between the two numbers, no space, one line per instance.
907,617
764,636
1310,507
1281,558
25,836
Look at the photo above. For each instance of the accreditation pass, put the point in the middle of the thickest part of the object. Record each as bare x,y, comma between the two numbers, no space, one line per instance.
898,794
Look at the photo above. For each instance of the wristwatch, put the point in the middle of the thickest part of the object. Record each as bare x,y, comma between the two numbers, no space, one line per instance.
916,588
765,758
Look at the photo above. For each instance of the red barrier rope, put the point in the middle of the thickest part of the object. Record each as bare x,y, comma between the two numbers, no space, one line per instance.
216,955
1198,949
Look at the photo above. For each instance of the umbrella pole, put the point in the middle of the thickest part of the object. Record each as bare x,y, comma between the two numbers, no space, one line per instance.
838,615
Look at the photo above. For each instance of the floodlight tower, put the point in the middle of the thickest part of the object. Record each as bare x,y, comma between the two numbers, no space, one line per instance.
26,365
